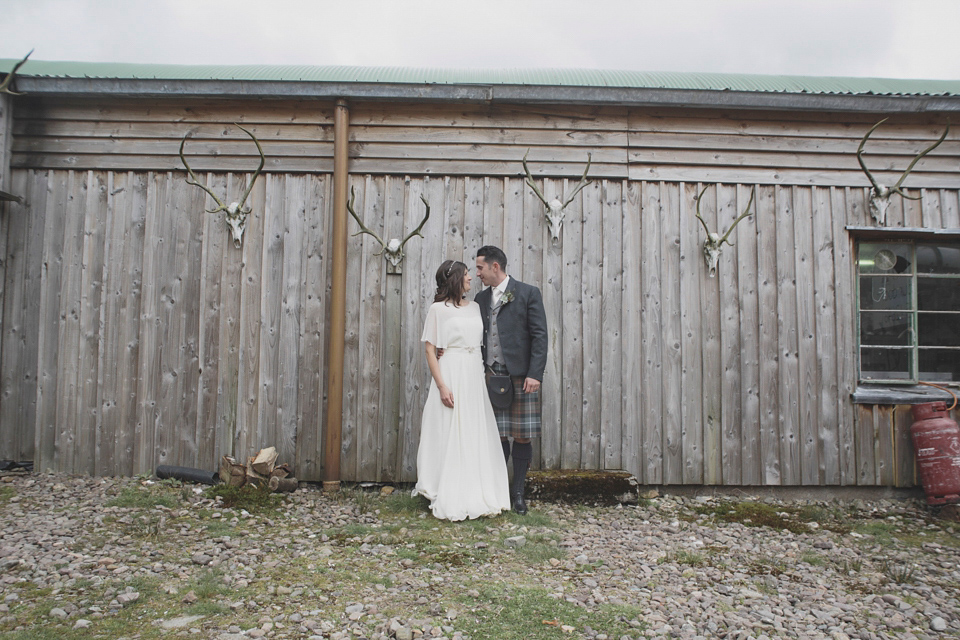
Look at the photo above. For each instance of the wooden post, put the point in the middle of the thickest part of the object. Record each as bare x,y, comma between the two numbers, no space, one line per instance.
338,300
6,127
6,139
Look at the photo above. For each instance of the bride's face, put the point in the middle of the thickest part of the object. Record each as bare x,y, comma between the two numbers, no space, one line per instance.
466,281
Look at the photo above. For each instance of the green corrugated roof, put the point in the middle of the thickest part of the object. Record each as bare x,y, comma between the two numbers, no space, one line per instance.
529,77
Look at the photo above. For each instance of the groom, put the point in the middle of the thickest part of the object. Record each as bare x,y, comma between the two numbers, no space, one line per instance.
514,343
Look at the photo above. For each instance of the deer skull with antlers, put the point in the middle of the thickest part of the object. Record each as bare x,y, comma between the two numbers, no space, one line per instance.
555,207
236,213
880,194
5,85
714,242
393,248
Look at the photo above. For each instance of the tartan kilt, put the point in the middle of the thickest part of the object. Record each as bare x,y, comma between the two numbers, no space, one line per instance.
522,419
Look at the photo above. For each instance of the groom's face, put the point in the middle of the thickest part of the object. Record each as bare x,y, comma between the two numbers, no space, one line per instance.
485,271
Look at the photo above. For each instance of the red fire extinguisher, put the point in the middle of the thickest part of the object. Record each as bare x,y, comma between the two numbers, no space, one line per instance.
936,442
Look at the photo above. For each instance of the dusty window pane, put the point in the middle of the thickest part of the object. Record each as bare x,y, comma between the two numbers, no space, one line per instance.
884,257
938,294
932,258
885,364
885,292
885,328
939,329
940,365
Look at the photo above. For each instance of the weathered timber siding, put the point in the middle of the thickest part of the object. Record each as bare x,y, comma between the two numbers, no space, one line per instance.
743,147
135,334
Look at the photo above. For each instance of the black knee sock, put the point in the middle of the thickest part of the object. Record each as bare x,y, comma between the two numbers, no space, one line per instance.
522,454
506,449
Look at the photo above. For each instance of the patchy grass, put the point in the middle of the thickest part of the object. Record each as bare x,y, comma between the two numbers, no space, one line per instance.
5,494
249,498
882,531
145,497
811,558
209,584
847,567
683,558
538,552
532,613
897,572
218,527
780,517
760,566
401,502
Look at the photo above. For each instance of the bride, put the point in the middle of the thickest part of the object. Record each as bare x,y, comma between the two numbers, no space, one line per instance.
460,466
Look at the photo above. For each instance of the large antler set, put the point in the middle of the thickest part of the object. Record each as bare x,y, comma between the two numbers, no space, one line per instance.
394,248
5,85
714,242
555,207
880,194
236,213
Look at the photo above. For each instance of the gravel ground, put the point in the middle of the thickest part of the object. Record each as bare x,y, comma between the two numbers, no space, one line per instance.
366,566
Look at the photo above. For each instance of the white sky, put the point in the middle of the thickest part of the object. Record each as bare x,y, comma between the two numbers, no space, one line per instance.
873,38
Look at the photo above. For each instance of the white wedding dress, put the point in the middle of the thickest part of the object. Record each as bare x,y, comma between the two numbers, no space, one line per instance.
460,466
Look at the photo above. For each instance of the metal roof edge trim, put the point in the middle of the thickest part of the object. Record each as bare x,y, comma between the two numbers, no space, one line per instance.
513,94
914,233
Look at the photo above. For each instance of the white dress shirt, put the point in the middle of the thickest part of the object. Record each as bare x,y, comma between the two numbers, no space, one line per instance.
498,291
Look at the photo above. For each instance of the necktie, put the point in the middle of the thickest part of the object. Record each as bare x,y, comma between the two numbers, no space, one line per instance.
496,296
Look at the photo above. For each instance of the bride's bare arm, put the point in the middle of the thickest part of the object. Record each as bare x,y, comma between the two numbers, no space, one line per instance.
446,396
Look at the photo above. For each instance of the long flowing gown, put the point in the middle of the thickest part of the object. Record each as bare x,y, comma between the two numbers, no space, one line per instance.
460,466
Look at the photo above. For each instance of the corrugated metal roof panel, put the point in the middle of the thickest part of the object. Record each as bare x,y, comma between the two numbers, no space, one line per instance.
531,77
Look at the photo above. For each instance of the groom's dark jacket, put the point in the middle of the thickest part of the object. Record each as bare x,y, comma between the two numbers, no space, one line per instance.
522,324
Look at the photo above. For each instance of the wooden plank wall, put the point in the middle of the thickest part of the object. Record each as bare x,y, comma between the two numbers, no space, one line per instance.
733,147
159,342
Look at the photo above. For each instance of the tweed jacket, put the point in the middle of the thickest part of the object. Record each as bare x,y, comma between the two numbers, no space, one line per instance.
522,324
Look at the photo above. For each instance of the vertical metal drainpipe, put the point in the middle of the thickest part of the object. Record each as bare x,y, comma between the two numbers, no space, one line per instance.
338,300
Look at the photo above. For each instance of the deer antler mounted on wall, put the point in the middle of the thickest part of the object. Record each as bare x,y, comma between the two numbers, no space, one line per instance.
393,248
555,207
879,194
236,213
5,85
714,242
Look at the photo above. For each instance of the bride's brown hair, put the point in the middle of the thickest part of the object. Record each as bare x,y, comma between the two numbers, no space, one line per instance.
450,282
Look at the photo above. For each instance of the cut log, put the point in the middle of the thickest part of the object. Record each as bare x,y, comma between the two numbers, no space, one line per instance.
281,471
232,473
285,485
254,478
264,461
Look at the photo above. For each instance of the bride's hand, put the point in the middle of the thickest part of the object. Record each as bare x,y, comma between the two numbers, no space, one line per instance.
446,396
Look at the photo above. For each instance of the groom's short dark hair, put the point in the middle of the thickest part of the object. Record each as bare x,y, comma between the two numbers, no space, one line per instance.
493,254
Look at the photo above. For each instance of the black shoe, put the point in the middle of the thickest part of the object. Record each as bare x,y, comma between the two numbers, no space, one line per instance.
519,506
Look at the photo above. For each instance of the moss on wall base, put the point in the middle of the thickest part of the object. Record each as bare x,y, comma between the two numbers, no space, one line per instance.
584,487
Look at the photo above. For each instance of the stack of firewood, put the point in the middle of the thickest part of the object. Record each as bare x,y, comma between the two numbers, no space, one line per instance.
259,471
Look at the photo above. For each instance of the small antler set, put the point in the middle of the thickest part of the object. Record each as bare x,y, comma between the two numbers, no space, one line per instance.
714,242
236,217
5,85
393,248
879,194
555,207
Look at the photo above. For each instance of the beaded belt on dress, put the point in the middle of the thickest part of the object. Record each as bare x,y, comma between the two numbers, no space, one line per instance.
467,349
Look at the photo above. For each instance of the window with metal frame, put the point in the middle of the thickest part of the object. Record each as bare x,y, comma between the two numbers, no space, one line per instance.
908,294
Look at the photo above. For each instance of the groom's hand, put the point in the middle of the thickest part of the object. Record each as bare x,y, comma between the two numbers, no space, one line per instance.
530,385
